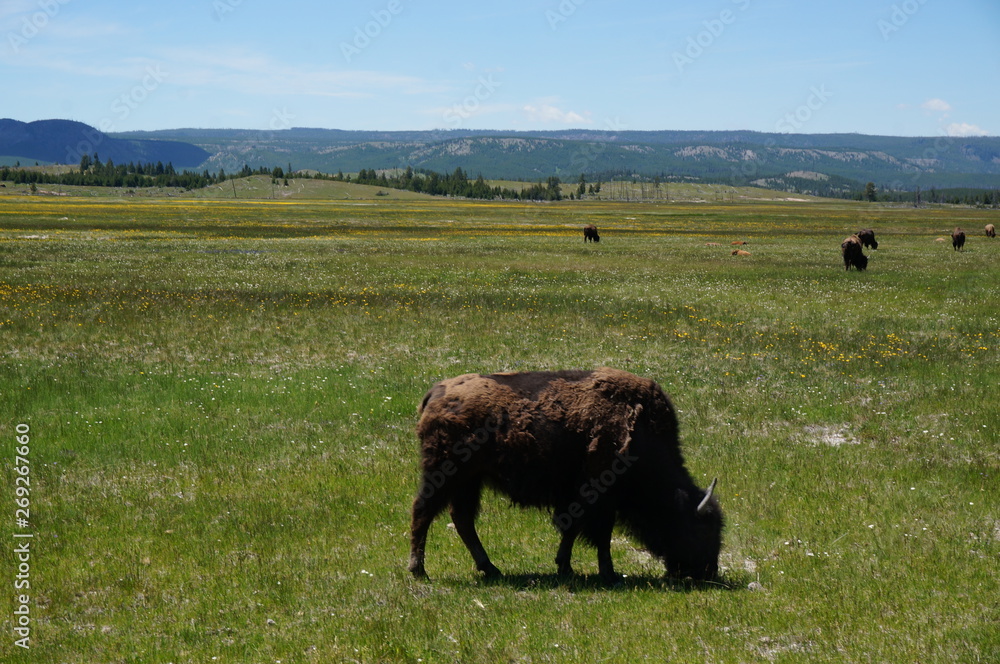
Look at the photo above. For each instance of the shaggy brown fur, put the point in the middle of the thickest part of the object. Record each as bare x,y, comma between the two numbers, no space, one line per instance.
957,239
851,250
590,234
867,237
740,252
991,231
592,446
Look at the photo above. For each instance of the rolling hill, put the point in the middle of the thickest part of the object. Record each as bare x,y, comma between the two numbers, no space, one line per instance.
824,164
66,141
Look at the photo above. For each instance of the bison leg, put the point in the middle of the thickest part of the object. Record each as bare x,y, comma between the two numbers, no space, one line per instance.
565,552
464,508
430,501
599,527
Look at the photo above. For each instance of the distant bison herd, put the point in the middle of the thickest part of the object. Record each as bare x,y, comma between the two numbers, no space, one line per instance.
850,249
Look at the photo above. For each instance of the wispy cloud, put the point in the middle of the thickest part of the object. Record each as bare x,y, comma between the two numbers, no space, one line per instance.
965,129
234,70
549,114
936,105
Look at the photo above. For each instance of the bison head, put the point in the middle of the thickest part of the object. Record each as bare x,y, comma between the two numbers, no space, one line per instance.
694,551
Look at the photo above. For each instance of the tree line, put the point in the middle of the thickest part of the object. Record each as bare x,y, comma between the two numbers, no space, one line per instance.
456,184
989,198
95,173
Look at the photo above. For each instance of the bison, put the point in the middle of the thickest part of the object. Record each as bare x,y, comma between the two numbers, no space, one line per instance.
867,237
853,257
590,234
592,446
958,239
991,231
740,252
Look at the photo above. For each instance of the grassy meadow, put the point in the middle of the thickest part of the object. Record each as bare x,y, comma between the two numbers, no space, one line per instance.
221,396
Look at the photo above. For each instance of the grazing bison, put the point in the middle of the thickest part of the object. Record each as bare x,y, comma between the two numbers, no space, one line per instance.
867,237
590,234
853,257
593,446
991,231
957,239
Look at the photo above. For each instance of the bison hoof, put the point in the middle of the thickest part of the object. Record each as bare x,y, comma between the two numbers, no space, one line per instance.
490,571
418,571
614,579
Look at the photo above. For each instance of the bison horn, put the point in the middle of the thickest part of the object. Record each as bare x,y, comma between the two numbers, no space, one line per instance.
703,505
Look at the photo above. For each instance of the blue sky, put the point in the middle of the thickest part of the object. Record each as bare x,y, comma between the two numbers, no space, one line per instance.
897,67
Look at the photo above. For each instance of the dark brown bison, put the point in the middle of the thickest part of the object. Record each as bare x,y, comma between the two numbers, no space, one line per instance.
991,230
867,237
590,234
853,257
957,239
592,446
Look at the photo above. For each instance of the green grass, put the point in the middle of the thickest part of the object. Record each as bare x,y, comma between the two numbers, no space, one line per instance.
222,395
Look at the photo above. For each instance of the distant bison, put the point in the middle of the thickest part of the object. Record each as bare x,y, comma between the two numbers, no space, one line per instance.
740,252
867,237
590,234
592,446
990,230
739,243
958,239
853,257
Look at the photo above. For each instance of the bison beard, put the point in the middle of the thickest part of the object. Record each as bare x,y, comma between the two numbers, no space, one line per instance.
593,446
